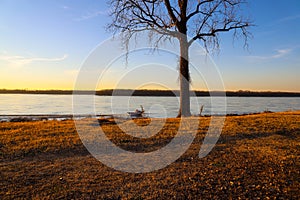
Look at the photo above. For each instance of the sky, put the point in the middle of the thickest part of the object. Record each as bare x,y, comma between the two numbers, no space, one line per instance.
44,44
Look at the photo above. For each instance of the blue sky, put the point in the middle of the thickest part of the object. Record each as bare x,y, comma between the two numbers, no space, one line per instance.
44,43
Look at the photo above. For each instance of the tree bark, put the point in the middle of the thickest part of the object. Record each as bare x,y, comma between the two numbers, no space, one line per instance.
184,78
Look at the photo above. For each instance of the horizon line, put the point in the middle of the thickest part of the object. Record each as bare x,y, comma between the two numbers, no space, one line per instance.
196,90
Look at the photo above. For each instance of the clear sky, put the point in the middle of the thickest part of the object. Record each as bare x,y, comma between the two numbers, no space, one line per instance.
44,43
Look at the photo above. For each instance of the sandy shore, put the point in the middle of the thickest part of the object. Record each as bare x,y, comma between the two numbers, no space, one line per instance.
256,157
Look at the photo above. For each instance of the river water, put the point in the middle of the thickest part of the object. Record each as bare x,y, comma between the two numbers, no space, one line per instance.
27,104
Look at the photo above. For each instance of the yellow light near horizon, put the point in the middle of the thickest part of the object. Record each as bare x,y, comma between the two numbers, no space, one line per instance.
29,85
64,82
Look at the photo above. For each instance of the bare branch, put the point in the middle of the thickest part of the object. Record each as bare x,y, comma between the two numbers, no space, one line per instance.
168,18
197,11
170,11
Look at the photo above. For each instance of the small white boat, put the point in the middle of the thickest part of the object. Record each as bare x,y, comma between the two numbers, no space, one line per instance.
137,113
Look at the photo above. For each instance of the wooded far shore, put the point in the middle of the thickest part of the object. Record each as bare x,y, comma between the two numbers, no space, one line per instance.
129,92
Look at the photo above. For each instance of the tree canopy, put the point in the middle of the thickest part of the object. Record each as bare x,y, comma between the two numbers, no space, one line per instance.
202,19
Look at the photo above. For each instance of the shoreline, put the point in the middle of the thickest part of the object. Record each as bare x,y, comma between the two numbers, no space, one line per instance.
60,117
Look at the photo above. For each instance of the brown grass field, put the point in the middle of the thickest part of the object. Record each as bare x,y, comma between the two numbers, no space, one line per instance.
256,157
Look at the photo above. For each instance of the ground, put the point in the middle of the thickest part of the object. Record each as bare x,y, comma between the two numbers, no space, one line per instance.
256,157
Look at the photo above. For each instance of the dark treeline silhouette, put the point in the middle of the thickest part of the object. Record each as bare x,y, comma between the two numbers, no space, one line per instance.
166,93
242,93
239,93
55,92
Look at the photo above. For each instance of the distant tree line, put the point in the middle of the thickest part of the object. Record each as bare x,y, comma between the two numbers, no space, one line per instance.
125,92
55,92
239,93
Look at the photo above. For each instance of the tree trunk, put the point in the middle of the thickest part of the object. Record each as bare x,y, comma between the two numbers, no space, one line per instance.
184,78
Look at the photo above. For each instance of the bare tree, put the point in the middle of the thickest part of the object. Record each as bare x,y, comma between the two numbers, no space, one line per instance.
202,20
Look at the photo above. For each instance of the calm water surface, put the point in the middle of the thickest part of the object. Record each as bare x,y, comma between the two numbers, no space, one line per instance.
11,104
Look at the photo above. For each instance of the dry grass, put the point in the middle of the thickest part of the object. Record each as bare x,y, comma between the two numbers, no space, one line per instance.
257,156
